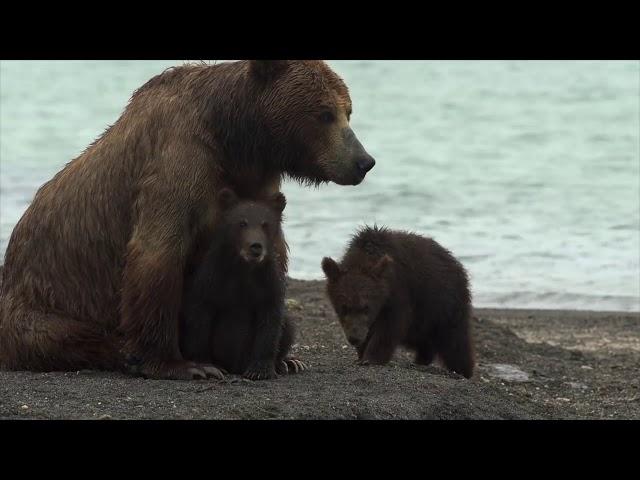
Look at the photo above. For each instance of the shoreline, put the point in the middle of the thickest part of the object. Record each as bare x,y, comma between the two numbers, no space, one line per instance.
515,312
531,364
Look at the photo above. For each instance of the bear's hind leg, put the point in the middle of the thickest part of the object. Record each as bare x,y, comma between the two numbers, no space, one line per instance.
36,341
455,347
425,353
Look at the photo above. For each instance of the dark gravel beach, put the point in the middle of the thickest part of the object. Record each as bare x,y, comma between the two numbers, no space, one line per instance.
532,364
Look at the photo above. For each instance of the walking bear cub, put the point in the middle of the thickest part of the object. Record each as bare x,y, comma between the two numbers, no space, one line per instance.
233,314
398,288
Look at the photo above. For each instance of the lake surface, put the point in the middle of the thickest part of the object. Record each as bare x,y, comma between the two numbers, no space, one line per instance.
528,171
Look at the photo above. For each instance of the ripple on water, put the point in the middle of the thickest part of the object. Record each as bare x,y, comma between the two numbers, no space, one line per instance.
527,171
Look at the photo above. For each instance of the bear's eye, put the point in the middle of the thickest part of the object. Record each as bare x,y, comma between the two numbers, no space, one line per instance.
265,225
327,117
243,223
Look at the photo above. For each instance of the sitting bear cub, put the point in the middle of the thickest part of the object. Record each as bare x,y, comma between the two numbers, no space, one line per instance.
398,288
233,314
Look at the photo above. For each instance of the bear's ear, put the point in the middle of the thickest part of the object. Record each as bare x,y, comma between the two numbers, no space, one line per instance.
331,268
227,198
265,70
279,202
381,268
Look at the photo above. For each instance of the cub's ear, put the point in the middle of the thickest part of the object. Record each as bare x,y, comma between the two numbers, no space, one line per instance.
279,202
383,266
265,70
227,198
331,268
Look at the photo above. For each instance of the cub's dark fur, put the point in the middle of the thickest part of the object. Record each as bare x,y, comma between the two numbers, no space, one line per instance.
233,314
398,288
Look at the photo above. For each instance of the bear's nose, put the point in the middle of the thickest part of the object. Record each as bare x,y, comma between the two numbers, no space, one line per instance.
256,249
353,341
365,163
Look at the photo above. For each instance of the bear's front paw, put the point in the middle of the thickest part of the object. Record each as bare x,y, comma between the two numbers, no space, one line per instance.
261,371
177,370
291,365
213,371
372,361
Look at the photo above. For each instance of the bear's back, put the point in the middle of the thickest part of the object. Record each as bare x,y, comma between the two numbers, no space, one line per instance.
428,270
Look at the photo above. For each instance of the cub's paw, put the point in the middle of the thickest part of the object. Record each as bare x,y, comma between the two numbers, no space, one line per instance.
212,371
260,371
291,365
178,370
371,361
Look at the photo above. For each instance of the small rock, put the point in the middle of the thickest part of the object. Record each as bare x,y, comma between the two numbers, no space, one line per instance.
510,373
104,417
25,407
578,385
563,399
293,304
586,367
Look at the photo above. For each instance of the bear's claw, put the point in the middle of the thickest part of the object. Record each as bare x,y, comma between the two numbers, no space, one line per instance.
290,366
260,373
177,370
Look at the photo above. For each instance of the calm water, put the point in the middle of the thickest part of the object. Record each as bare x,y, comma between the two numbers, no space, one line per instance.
528,171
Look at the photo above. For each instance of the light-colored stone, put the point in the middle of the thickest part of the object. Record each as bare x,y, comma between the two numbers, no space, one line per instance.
510,373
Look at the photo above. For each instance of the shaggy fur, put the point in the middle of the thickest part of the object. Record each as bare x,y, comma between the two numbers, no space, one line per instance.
94,270
397,288
233,311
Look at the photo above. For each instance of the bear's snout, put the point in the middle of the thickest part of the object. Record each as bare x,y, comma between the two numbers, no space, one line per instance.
365,164
255,249
352,162
254,253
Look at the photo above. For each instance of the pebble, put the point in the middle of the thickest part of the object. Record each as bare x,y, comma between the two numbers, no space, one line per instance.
25,407
579,385
293,304
510,373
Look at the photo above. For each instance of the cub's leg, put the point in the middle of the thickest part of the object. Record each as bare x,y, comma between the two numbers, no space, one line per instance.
284,362
268,332
386,333
455,346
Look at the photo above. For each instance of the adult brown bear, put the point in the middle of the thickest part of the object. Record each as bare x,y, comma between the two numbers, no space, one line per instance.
94,269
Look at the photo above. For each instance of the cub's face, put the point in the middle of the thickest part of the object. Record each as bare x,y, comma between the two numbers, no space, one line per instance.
251,226
357,296
307,107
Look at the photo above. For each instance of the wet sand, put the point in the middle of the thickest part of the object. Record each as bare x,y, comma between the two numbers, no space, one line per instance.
532,364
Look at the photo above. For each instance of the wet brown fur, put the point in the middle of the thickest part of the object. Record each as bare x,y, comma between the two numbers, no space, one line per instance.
94,269
233,312
403,289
